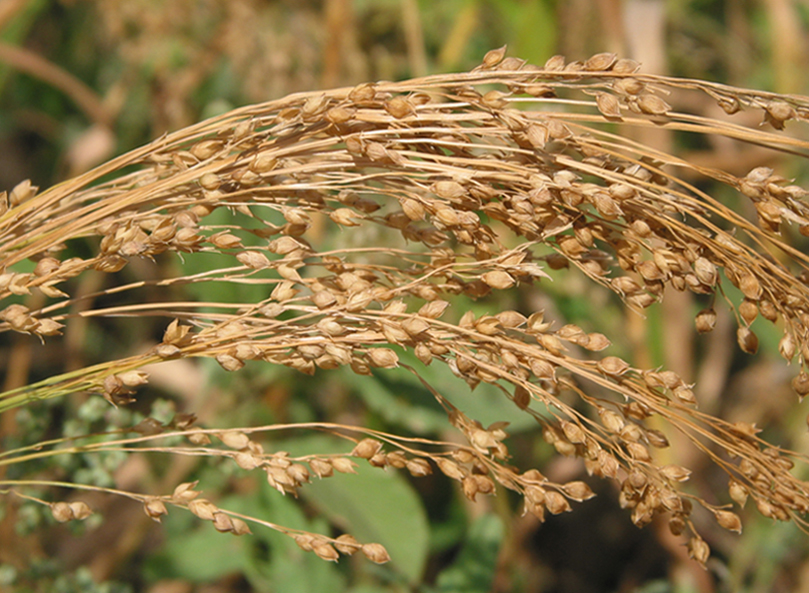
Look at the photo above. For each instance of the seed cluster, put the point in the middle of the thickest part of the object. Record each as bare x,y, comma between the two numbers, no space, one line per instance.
467,184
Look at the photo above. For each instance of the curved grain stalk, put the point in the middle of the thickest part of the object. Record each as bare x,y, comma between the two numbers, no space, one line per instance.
463,184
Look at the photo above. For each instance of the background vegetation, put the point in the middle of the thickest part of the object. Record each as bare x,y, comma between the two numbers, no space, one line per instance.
83,81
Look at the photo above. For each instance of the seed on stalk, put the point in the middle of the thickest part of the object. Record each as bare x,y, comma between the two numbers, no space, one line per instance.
600,62
748,341
800,384
494,57
376,553
609,106
706,320
653,105
366,448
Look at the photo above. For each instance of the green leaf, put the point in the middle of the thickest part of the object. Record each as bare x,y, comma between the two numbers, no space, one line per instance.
474,569
200,555
401,399
373,505
275,561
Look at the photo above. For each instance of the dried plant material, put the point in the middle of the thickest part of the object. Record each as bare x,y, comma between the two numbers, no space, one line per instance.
653,105
601,62
370,218
609,106
494,57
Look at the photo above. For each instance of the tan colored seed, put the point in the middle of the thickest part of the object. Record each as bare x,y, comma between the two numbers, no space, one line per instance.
698,549
729,521
653,105
419,467
609,106
498,279
612,366
800,384
366,448
494,57
601,62
556,503
578,491
450,190
344,465
748,341
376,553
253,259
705,320
399,107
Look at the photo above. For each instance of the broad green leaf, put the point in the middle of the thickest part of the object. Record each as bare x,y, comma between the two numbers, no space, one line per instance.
474,569
200,555
373,505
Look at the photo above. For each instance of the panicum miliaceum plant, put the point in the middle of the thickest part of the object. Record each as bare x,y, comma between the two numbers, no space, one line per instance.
482,183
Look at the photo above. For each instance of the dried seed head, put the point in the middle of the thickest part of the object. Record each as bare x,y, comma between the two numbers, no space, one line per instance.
419,467
705,271
155,508
449,190
706,320
366,448
376,553
222,523
498,279
229,362
748,341
234,439
322,468
595,342
470,487
494,57
800,384
239,527
750,286
450,469
399,107
495,99
612,421
729,521
325,551
556,503
676,473
347,544
62,512
22,191
253,259
787,346
363,93
698,549
202,508
298,473
537,135
612,366
653,105
737,492
578,491
626,66
384,358
685,394
601,62
609,106
344,465
573,432
777,112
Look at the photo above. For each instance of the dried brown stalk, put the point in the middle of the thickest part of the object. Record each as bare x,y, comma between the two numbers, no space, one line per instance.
482,182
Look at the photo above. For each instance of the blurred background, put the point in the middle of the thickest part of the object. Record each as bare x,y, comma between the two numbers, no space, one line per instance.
84,80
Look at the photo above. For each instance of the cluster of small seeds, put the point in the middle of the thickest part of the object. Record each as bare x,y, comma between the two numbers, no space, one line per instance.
478,190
